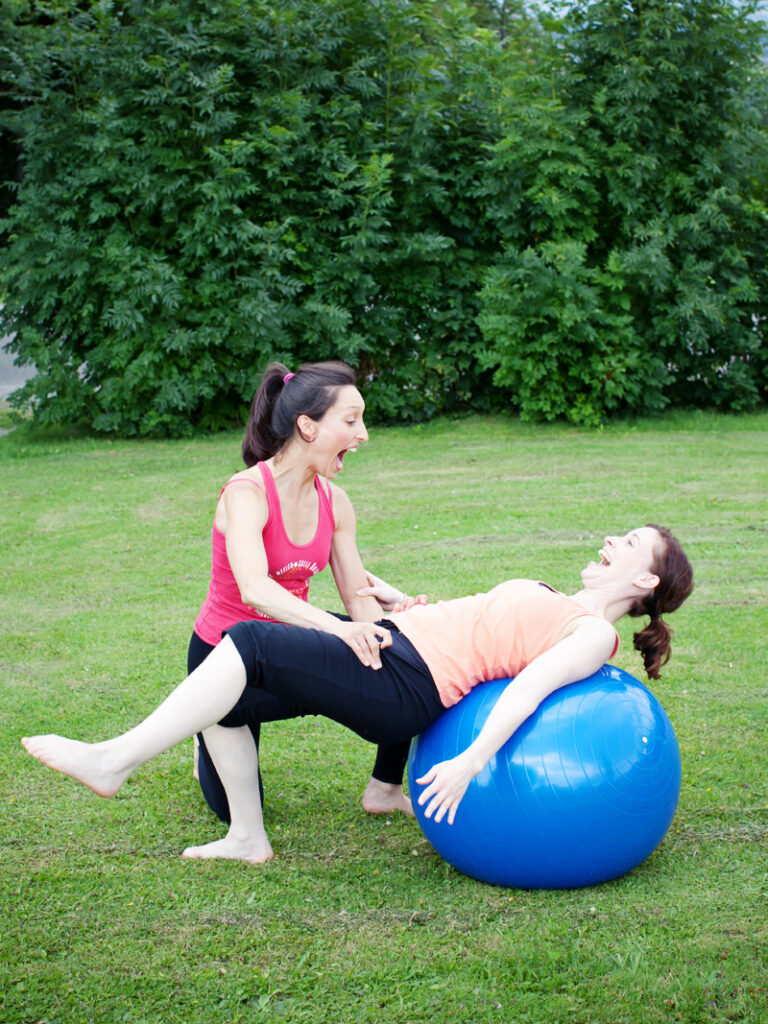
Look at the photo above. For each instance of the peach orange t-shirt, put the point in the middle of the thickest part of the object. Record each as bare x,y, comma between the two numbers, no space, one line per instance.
487,636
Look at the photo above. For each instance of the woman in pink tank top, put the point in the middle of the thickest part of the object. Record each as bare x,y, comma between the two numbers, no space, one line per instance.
277,523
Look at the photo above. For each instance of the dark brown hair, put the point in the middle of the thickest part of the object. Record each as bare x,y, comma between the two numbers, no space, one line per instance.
675,574
278,403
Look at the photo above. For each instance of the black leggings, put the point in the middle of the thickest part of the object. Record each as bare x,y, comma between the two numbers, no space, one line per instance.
323,676
257,706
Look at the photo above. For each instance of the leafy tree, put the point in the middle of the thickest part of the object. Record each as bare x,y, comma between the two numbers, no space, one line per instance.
469,209
210,187
634,266
503,16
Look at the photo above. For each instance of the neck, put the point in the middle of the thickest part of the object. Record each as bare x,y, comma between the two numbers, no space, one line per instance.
608,606
293,468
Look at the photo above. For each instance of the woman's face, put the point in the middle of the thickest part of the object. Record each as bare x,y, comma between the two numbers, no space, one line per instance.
341,430
624,560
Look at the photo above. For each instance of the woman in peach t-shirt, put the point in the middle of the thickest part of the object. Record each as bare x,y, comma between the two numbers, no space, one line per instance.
431,656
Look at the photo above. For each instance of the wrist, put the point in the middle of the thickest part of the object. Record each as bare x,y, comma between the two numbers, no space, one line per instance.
474,762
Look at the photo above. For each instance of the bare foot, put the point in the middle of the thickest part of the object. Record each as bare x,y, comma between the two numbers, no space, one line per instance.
89,763
252,849
384,797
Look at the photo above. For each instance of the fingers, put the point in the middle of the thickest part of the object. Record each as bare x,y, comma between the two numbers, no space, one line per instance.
367,639
441,809
385,636
441,805
370,645
367,651
374,584
381,596
409,601
430,794
442,796
380,639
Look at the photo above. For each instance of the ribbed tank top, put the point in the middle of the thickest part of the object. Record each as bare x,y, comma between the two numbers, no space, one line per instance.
487,636
291,565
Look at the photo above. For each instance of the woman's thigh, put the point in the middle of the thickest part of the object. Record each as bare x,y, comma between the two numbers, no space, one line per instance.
321,675
255,706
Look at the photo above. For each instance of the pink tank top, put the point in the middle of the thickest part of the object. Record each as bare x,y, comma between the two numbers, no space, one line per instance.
291,565
487,636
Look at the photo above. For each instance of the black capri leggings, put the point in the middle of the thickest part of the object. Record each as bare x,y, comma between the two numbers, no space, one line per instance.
261,705
321,675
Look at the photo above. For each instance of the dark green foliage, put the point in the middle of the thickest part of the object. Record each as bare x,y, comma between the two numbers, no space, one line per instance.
634,266
210,187
469,211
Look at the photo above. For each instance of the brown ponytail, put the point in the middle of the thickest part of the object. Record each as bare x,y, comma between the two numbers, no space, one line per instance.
675,584
278,403
654,643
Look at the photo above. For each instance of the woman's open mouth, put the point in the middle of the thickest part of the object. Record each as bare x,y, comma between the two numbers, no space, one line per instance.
340,457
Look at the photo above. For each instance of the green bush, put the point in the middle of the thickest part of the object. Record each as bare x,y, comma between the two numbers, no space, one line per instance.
569,223
563,336
634,272
208,188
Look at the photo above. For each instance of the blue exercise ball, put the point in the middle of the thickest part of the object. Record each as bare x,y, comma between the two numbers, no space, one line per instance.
584,791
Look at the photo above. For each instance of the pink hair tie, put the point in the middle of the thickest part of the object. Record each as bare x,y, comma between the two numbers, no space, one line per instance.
287,377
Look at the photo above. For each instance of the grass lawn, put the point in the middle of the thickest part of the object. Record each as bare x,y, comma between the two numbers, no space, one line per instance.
105,563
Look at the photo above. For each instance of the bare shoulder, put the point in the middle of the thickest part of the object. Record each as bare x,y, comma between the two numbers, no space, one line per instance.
247,484
595,630
342,506
243,494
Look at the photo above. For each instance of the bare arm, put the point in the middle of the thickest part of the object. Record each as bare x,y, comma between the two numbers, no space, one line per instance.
574,657
390,598
241,516
346,564
351,579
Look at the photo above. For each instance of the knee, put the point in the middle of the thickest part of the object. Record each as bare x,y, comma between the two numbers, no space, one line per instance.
247,642
237,717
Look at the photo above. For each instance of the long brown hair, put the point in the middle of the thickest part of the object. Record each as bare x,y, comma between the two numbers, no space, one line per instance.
278,403
675,574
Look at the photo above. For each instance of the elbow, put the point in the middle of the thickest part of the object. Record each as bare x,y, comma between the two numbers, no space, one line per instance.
253,596
525,709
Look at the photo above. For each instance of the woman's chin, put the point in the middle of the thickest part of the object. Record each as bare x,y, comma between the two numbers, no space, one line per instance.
590,573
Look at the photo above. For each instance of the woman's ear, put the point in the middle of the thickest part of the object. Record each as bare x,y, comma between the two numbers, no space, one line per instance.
646,581
307,428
